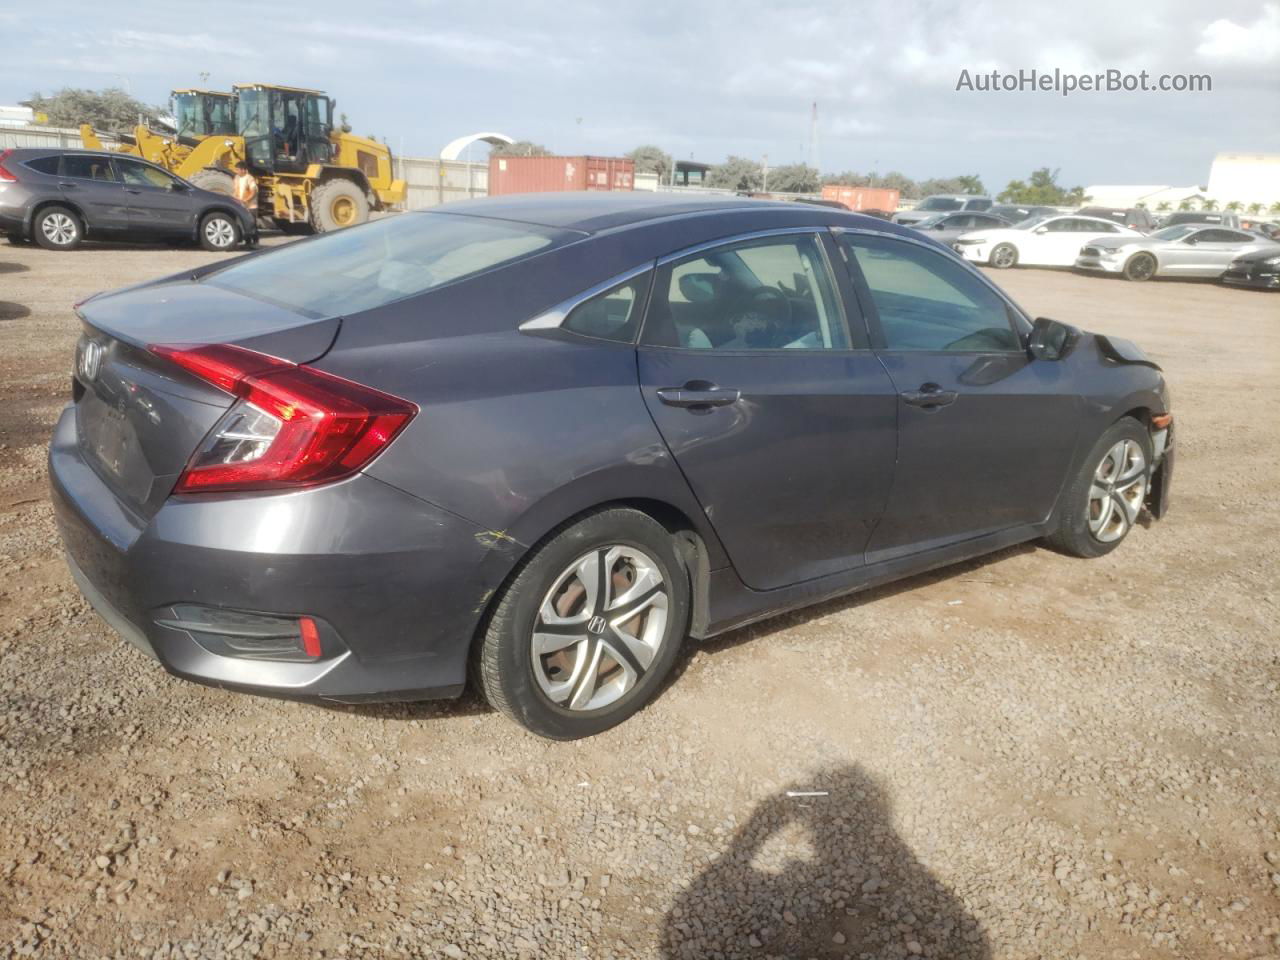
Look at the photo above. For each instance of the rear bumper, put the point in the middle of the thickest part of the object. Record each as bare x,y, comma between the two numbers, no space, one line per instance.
397,579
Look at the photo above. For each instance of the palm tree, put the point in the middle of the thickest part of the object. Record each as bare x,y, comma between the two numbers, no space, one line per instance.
1162,206
1255,208
1210,204
1275,207
1234,206
1185,205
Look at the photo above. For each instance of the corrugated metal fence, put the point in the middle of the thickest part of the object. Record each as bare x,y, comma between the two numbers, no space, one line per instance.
47,137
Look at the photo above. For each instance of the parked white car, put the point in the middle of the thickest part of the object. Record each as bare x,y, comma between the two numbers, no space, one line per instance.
1047,242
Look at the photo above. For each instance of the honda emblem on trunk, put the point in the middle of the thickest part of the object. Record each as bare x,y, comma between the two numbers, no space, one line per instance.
90,360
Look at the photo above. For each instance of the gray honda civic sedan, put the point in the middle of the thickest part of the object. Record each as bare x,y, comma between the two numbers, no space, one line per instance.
540,440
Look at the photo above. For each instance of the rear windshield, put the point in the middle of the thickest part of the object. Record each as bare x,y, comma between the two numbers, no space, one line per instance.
390,259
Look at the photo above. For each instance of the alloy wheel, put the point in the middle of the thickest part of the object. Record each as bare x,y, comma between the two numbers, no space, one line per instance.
1004,256
1118,489
599,627
1142,267
219,232
59,228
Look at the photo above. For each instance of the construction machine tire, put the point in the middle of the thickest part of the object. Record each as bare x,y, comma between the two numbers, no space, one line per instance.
336,204
218,181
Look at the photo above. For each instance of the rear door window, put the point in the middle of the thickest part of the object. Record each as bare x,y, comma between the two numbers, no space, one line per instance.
80,167
773,293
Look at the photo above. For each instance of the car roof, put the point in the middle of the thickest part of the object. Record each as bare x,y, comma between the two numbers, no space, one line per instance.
593,211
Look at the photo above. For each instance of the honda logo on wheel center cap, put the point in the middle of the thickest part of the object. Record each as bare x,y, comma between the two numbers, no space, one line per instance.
596,625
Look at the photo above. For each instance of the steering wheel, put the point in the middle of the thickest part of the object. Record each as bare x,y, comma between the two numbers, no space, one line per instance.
781,303
762,317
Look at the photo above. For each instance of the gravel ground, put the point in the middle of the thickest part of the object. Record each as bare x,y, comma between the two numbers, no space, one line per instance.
1028,756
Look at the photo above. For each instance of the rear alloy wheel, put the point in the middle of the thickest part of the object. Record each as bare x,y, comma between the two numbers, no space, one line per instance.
57,228
584,635
1103,503
218,232
1004,256
1139,267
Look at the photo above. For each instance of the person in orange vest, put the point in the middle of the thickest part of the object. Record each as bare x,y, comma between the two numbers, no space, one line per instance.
246,187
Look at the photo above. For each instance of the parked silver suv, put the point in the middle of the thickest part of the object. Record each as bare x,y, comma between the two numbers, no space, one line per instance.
942,203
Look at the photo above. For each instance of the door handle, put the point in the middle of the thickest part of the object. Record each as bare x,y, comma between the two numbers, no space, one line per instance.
134,190
930,396
65,185
708,396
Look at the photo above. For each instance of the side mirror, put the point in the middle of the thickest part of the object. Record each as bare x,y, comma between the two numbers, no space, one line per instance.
1051,340
177,187
1040,230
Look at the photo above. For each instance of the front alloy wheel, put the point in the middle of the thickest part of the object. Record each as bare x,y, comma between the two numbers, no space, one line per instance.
599,627
1118,489
1100,506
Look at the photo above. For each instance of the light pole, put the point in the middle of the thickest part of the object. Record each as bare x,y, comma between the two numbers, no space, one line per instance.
764,179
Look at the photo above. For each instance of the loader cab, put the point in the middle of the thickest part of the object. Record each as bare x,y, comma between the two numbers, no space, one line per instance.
203,113
285,129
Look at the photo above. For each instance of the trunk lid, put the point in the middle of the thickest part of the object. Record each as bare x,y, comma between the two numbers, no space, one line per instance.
138,416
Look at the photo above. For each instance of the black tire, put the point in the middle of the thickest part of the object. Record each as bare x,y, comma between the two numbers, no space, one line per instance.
1003,256
17,239
337,204
1074,535
58,228
504,663
1140,267
218,181
296,228
219,232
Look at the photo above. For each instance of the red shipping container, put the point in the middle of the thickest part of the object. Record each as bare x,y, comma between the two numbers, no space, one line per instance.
539,174
862,198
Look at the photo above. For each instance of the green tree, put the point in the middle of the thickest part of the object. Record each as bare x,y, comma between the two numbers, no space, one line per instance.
736,173
1210,204
1162,206
1235,206
1275,207
893,180
971,183
848,179
111,110
1042,189
794,178
651,159
521,148
1184,205
343,124
1255,208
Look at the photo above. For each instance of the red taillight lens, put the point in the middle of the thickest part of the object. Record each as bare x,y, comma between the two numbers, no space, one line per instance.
5,174
292,426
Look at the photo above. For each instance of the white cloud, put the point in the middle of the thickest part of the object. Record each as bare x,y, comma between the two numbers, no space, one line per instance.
1254,43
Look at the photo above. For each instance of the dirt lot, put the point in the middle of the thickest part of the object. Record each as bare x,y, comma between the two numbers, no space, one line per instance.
1031,756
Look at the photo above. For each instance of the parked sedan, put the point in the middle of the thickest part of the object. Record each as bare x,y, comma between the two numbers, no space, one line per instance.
942,203
59,197
946,228
1259,268
550,436
1187,250
1048,242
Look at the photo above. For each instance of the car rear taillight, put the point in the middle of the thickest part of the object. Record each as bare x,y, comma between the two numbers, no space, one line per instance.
292,426
5,175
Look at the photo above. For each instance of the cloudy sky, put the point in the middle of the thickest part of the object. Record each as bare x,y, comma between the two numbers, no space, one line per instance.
707,79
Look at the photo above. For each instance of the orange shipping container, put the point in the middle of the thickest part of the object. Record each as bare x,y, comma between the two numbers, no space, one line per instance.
862,198
539,174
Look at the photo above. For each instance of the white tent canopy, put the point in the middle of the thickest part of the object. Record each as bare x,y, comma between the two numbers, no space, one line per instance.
452,149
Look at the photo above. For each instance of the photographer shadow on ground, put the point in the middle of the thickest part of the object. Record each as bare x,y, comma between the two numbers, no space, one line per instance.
822,876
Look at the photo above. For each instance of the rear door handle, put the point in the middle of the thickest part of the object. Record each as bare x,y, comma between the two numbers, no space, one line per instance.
132,190
66,186
929,396
698,396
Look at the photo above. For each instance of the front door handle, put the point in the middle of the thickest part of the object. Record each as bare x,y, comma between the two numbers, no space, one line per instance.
930,396
66,186
700,396
132,190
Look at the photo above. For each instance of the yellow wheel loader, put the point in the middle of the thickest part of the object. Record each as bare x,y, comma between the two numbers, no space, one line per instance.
311,176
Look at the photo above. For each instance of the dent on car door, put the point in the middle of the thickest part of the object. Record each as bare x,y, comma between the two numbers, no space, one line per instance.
782,422
985,433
